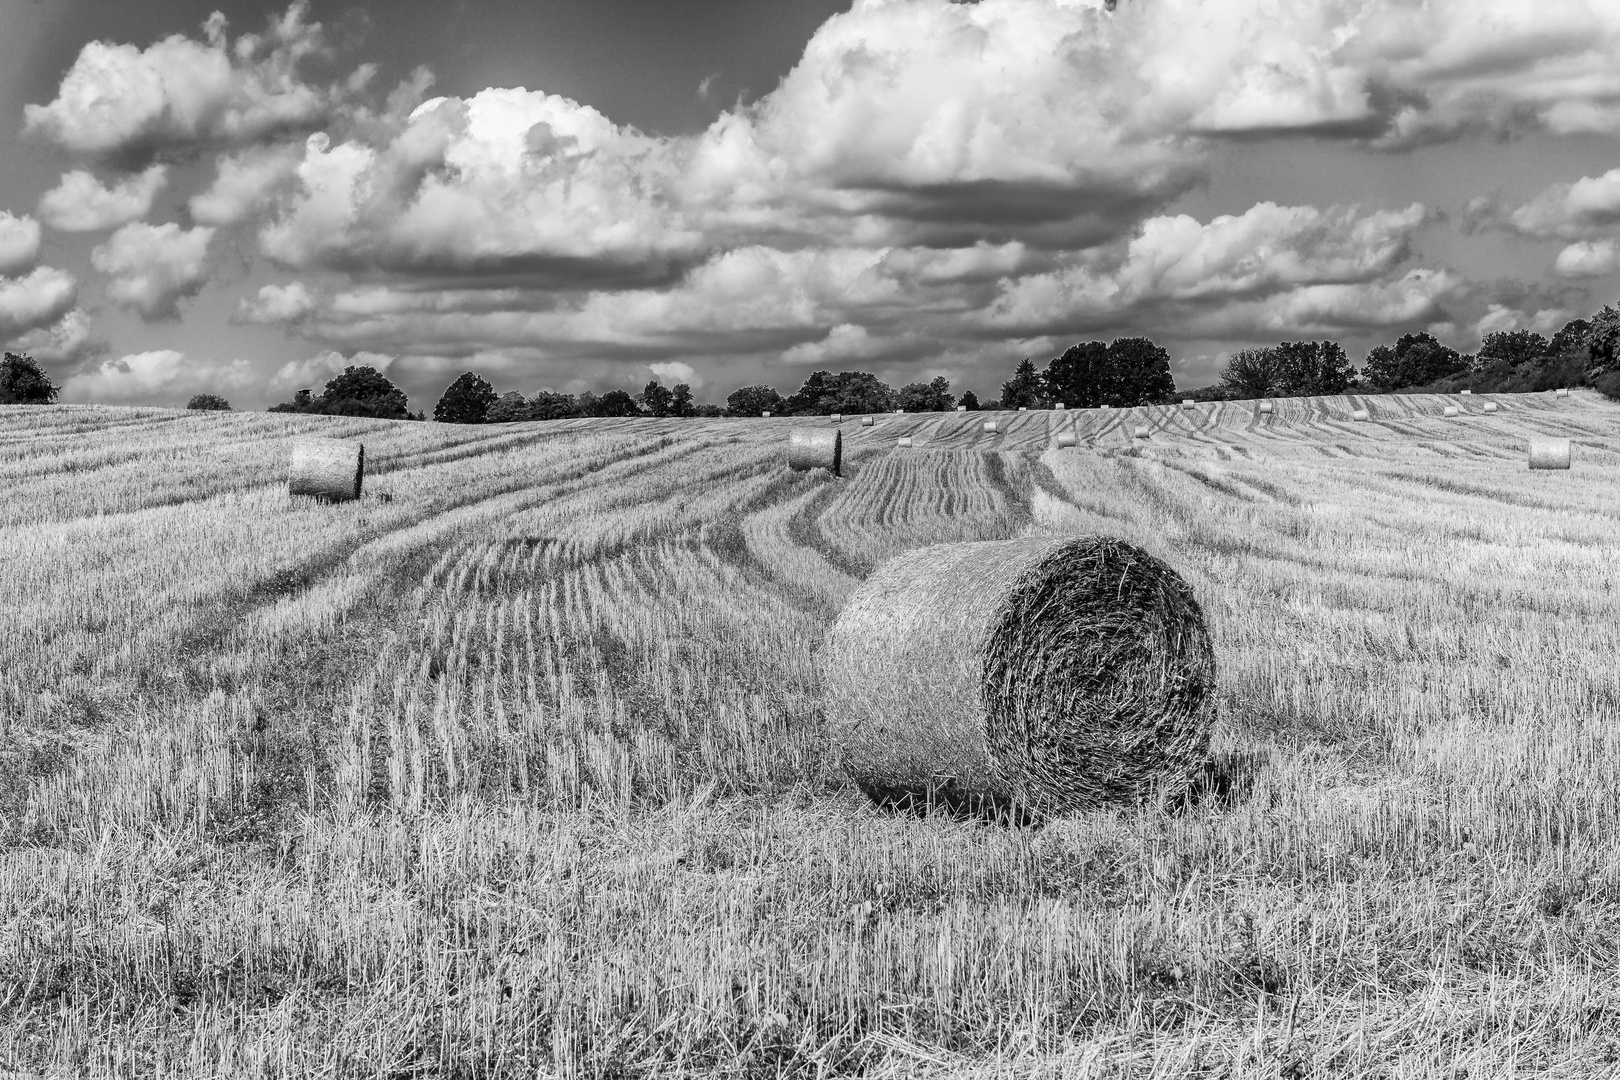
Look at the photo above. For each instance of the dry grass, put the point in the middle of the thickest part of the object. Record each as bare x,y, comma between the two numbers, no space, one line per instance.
525,773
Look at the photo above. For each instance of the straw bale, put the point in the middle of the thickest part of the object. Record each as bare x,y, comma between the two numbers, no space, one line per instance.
1451,410
836,417
1466,393
1265,406
1188,403
990,426
1360,414
1035,677
961,408
1548,453
1067,438
767,412
329,469
1141,431
816,448
1105,406
904,440
1490,406
867,421
1561,393
1023,408
1060,407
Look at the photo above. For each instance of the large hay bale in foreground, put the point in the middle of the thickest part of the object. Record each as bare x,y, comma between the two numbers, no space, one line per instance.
329,469
1548,453
816,448
1265,406
1039,676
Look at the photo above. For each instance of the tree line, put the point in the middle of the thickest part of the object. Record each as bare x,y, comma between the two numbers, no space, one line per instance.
1121,373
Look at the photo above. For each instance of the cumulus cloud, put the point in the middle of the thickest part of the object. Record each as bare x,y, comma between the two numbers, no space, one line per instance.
160,377
68,338
81,203
675,372
154,266
117,101
245,183
315,372
1588,259
19,242
1502,317
276,304
36,299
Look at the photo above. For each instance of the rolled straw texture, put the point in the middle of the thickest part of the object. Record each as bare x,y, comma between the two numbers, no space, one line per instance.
816,448
867,421
329,469
1055,674
1547,453
1265,406
1490,406
1141,431
990,426
1359,414
836,417
904,440
1451,410
1067,438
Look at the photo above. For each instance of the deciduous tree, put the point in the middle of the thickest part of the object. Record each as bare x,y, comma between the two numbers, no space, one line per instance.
465,401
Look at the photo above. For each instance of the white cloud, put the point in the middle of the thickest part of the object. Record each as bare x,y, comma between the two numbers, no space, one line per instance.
81,203
276,304
19,243
1500,317
245,183
675,372
161,377
1588,259
315,372
34,300
154,266
180,93
68,338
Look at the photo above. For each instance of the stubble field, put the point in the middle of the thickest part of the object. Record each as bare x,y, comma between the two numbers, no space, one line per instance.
515,767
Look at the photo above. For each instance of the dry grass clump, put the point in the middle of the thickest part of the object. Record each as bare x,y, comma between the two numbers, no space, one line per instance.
816,448
1032,677
1360,414
328,469
1141,431
1549,453
1451,410
1265,406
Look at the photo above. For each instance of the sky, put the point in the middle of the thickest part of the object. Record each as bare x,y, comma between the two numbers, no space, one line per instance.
243,199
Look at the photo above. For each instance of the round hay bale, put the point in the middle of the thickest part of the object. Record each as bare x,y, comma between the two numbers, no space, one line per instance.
329,469
1105,406
1561,393
816,448
1040,676
1466,393
1451,410
1060,407
1490,406
902,441
899,412
961,408
1023,408
766,413
1141,431
1188,403
1548,453
1067,438
1265,406
1360,414
836,417
990,426
867,421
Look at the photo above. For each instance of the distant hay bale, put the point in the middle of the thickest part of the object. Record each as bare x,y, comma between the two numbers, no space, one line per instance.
1548,453
1561,393
1360,414
1188,403
767,412
961,408
329,469
990,426
1451,410
1105,406
836,417
1466,393
1265,406
899,412
1067,438
1060,407
1141,431
904,440
1490,406
867,421
816,448
1034,677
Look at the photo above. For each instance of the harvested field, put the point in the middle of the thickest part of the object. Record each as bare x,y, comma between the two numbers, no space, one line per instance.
527,770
